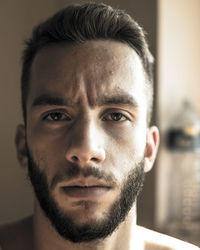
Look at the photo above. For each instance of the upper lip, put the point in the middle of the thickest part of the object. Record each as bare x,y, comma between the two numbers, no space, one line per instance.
85,182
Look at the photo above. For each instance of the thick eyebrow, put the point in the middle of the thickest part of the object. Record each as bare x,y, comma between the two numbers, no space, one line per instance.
118,99
45,100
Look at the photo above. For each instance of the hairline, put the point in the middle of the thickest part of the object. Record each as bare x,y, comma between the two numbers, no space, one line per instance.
43,36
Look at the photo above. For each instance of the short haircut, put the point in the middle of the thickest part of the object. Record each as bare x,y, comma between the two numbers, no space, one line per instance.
80,23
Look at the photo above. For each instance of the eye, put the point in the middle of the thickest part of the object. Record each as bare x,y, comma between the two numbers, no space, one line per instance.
115,116
57,116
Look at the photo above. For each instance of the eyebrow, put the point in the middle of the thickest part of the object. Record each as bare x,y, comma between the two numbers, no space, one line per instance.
122,98
116,99
50,100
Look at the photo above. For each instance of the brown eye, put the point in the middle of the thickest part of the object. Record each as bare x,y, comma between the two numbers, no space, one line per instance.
116,116
57,116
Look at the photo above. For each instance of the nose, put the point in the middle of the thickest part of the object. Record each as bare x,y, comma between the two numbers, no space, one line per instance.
86,145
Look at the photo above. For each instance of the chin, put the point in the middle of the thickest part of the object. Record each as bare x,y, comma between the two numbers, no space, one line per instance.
86,212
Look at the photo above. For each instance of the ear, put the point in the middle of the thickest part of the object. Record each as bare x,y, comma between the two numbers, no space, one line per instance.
20,141
152,144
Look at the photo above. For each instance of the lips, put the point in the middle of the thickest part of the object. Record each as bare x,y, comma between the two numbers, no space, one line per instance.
85,192
85,188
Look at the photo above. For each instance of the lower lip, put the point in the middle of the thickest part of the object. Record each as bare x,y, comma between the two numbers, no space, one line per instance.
85,192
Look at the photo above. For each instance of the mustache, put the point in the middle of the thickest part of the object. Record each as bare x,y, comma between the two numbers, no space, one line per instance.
73,171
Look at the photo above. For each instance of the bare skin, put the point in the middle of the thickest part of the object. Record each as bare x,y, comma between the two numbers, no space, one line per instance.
99,118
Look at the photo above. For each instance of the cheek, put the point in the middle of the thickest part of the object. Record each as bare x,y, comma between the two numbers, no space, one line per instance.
46,150
124,150
42,139
131,140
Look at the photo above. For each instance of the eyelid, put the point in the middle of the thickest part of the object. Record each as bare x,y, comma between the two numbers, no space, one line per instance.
49,112
109,111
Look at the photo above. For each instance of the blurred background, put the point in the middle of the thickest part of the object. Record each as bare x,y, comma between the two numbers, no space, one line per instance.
169,203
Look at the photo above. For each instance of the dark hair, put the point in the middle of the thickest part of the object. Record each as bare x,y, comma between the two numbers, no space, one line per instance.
80,23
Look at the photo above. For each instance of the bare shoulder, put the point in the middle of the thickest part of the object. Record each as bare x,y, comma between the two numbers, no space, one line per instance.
15,235
157,241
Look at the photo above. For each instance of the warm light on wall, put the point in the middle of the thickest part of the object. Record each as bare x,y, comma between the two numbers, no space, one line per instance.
178,77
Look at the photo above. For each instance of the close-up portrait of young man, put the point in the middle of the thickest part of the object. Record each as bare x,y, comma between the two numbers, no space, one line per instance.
86,142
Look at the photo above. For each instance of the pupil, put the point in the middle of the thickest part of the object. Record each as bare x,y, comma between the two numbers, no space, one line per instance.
56,116
116,116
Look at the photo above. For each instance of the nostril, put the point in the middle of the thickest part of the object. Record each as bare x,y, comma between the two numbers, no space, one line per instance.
74,158
94,159
85,156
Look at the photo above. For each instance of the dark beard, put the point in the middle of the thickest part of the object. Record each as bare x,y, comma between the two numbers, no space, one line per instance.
64,224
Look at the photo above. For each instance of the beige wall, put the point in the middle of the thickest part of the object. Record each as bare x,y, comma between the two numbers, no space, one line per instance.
178,75
17,19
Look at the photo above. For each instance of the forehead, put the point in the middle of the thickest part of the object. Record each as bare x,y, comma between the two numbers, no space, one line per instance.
94,67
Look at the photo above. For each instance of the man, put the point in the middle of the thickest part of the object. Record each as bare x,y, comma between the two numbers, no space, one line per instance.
86,143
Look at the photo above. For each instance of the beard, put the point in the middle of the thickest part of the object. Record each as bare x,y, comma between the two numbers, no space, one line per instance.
63,222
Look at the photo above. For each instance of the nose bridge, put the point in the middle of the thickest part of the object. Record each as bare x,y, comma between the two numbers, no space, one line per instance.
90,132
86,144
85,133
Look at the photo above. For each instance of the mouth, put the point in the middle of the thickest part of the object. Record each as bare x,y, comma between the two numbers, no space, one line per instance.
85,188
85,192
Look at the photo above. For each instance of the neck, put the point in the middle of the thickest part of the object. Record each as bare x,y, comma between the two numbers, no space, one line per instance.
46,238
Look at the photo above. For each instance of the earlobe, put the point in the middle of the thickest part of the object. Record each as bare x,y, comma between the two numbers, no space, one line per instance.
151,147
20,141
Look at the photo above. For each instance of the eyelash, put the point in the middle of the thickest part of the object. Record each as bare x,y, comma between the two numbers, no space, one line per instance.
47,117
120,115
107,117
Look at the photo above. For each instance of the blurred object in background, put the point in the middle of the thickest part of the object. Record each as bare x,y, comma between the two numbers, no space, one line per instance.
183,142
178,61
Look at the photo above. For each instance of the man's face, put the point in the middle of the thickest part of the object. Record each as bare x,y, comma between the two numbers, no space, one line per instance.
86,134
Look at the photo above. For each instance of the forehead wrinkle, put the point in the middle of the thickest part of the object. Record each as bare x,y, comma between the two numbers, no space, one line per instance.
74,86
89,80
100,80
